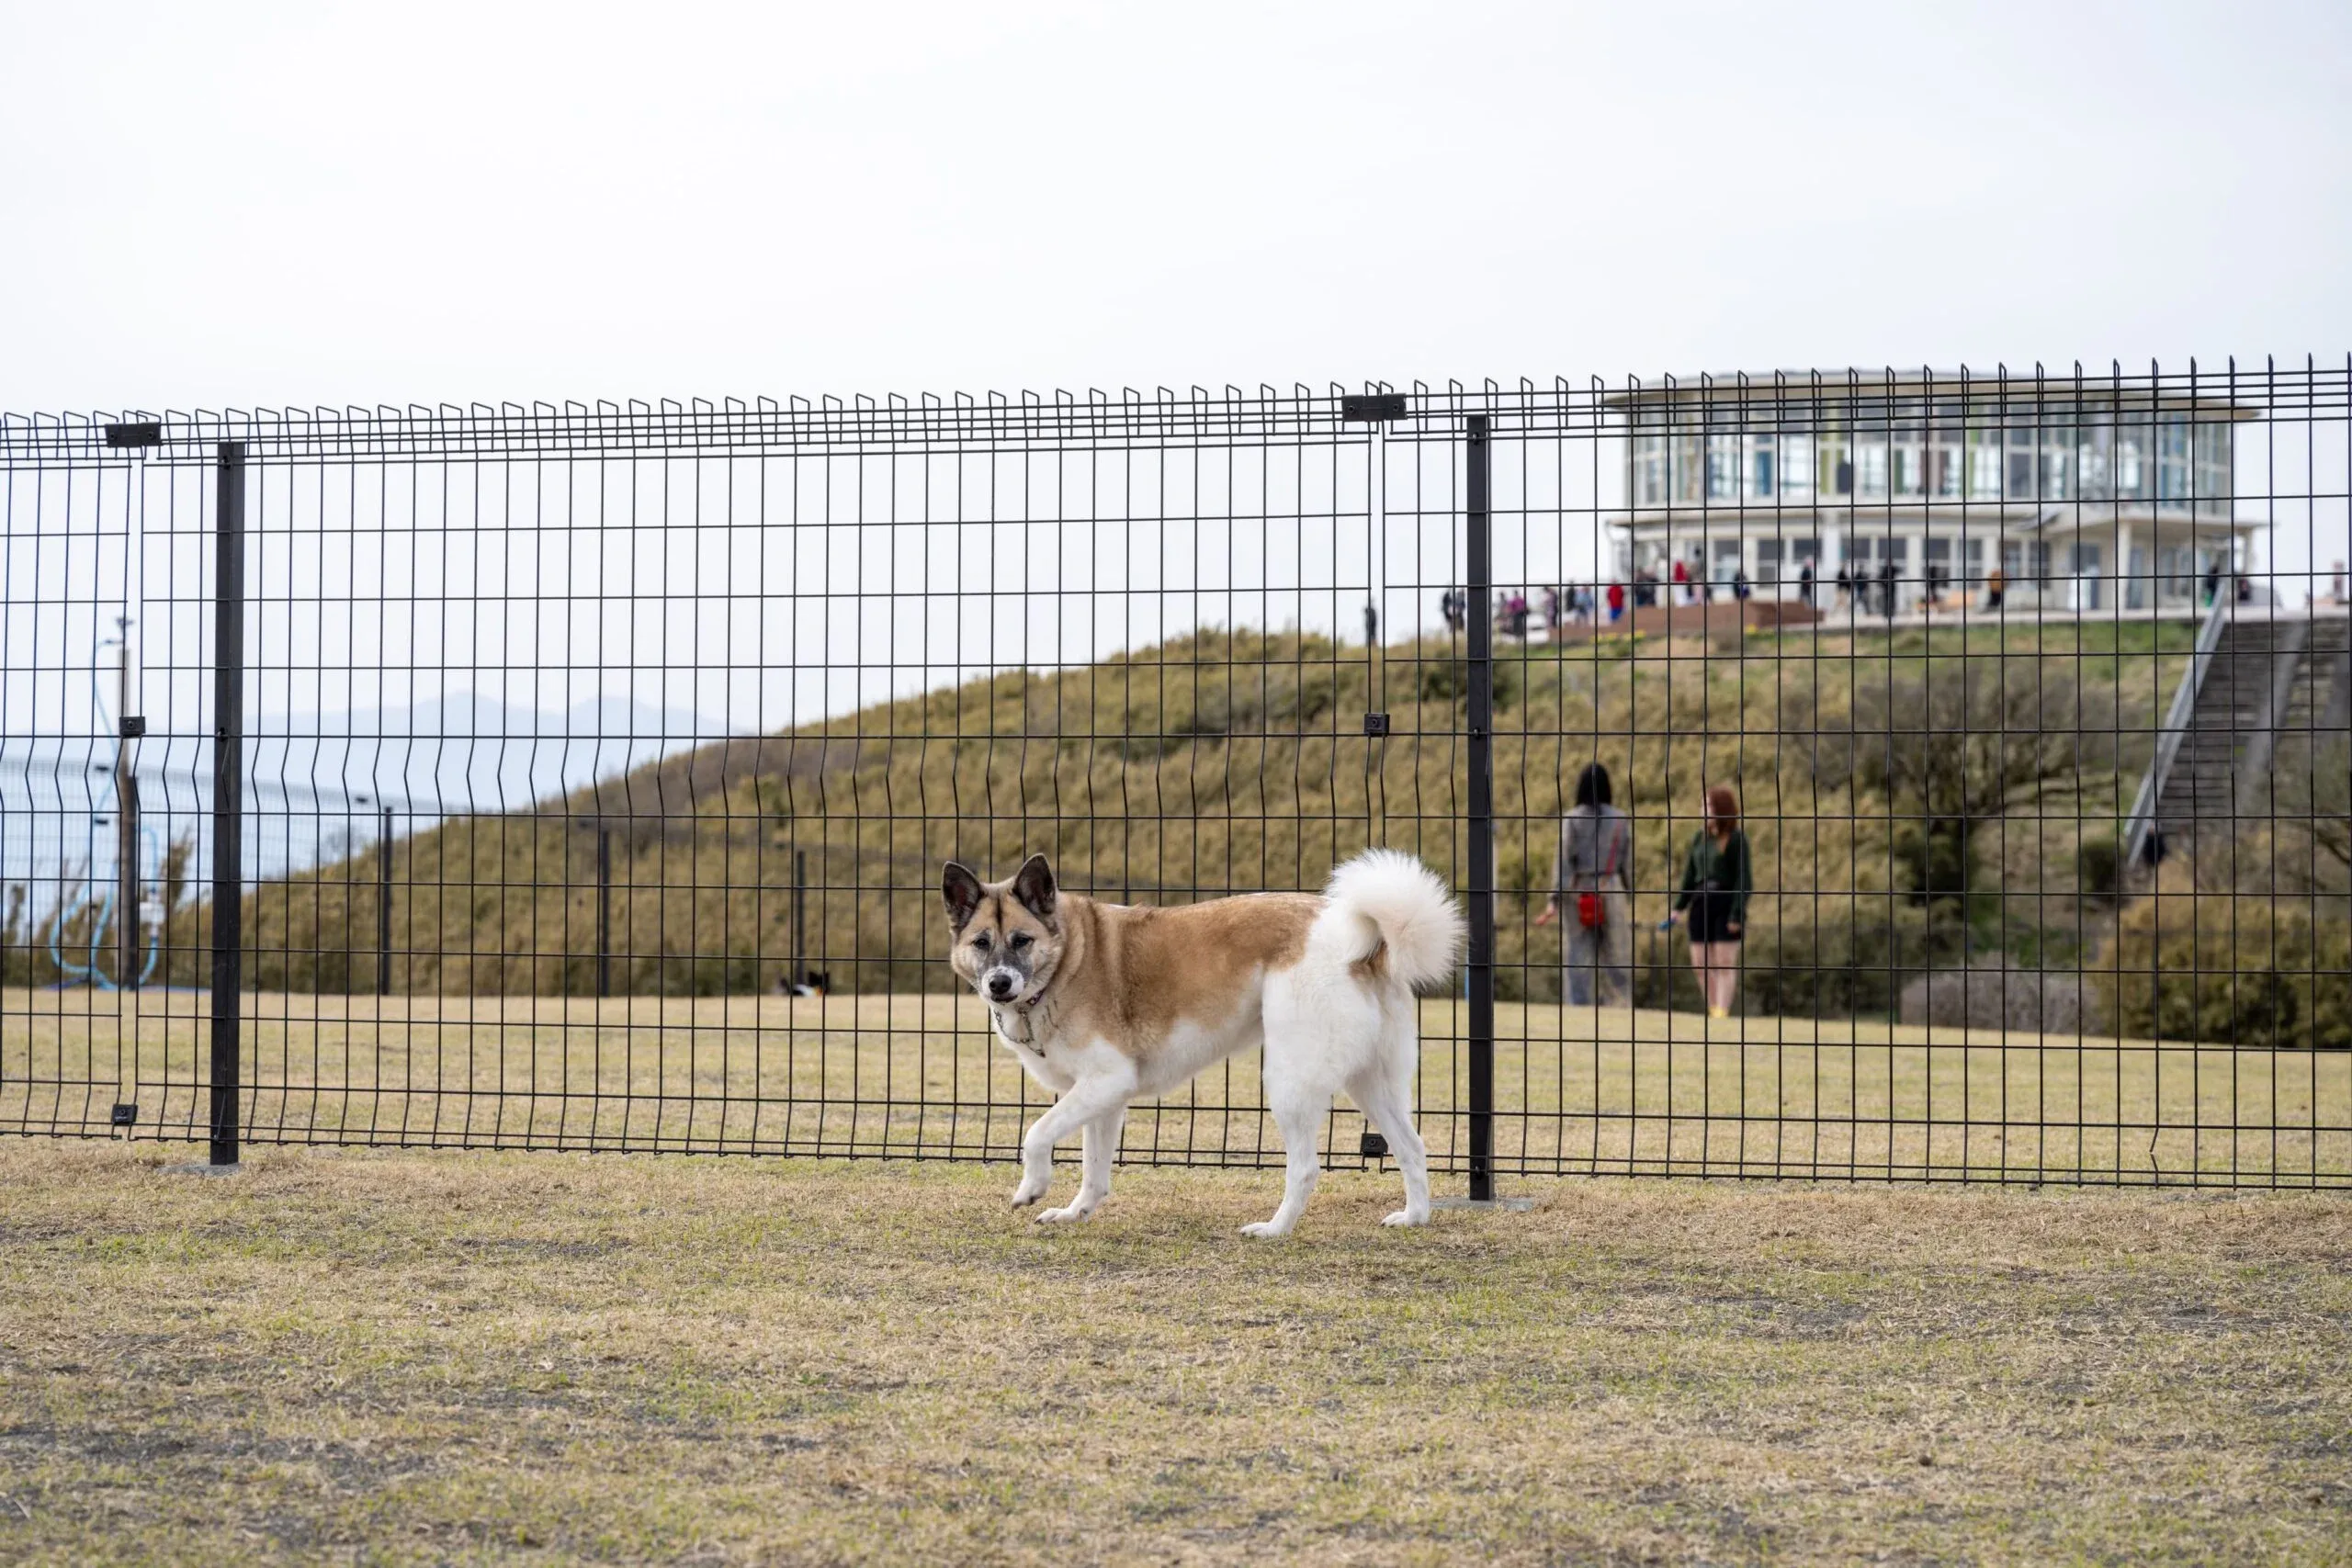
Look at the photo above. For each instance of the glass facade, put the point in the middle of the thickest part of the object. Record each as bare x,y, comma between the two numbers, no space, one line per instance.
1734,448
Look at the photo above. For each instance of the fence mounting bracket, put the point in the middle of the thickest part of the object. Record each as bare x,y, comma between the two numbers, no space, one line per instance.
126,1112
1376,724
1371,407
150,433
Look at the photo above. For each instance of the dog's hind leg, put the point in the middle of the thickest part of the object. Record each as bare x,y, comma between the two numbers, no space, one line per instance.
1299,1109
1101,1141
1384,1095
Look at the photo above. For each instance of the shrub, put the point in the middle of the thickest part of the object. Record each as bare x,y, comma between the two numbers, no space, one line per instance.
1839,957
1448,680
2099,864
2191,964
1995,994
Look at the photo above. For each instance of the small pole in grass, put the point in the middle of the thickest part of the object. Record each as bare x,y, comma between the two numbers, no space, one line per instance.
604,910
384,907
799,974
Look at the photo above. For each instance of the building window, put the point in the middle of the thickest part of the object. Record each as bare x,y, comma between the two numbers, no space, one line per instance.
1764,473
2133,463
2091,464
1796,467
1722,471
2020,476
1907,476
2057,472
1985,472
1870,479
1650,467
1767,562
2171,459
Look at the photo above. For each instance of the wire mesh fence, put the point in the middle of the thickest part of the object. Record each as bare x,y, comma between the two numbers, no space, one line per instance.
580,777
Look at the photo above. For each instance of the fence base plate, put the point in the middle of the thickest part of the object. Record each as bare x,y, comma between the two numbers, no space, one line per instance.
1509,1206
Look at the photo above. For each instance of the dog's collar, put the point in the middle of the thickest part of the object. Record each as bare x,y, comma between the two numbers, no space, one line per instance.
1025,1011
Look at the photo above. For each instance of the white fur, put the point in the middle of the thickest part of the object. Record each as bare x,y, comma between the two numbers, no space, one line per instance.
1327,1030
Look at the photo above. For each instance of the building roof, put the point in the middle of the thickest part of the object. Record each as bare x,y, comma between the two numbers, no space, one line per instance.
1860,393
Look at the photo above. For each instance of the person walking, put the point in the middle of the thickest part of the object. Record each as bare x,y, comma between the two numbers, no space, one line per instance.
1996,583
1616,602
1844,587
1589,884
1717,880
1804,584
1740,587
1886,582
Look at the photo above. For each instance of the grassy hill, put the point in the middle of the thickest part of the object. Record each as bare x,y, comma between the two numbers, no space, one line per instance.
1235,760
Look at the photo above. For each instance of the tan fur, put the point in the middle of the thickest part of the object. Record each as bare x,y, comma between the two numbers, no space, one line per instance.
1128,974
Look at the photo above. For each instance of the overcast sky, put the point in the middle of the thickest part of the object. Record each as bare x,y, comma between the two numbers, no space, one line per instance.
234,204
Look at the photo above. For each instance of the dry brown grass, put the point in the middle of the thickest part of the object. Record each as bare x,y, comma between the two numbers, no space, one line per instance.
1578,1091
435,1358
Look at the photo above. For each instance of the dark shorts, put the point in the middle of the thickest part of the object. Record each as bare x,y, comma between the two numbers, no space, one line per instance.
1710,918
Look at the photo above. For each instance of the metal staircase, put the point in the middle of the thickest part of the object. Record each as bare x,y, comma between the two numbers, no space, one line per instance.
2251,680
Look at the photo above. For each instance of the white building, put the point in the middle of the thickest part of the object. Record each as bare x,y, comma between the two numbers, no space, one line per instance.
2089,496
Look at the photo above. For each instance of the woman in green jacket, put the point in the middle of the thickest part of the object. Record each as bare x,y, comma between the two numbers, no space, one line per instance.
1716,881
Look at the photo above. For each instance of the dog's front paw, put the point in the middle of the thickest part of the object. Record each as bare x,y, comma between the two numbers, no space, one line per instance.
1266,1230
1032,1188
1066,1216
1405,1217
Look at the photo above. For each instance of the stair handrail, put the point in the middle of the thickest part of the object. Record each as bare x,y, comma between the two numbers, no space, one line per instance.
2143,822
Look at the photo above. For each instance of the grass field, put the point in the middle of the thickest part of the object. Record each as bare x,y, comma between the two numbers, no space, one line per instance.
413,1356
1578,1091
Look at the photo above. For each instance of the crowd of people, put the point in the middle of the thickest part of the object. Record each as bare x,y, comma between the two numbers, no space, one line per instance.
1854,589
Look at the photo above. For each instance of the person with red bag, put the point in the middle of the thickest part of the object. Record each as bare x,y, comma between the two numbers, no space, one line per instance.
1588,881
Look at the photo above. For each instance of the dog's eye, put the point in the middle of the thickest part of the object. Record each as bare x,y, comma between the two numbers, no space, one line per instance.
1022,939
979,944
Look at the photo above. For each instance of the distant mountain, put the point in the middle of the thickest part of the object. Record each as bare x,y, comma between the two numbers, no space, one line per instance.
315,782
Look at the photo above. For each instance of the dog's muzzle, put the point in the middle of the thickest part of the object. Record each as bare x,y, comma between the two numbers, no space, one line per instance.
1000,983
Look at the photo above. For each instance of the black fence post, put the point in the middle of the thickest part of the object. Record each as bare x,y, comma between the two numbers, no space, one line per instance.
384,908
1478,875
604,910
799,921
228,800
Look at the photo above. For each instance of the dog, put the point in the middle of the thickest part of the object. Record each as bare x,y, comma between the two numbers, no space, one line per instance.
1106,1003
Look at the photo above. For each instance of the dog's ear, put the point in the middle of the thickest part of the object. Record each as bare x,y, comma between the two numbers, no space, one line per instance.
1033,885
961,890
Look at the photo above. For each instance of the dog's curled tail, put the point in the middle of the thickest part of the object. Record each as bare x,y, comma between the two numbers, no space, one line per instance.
1408,912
